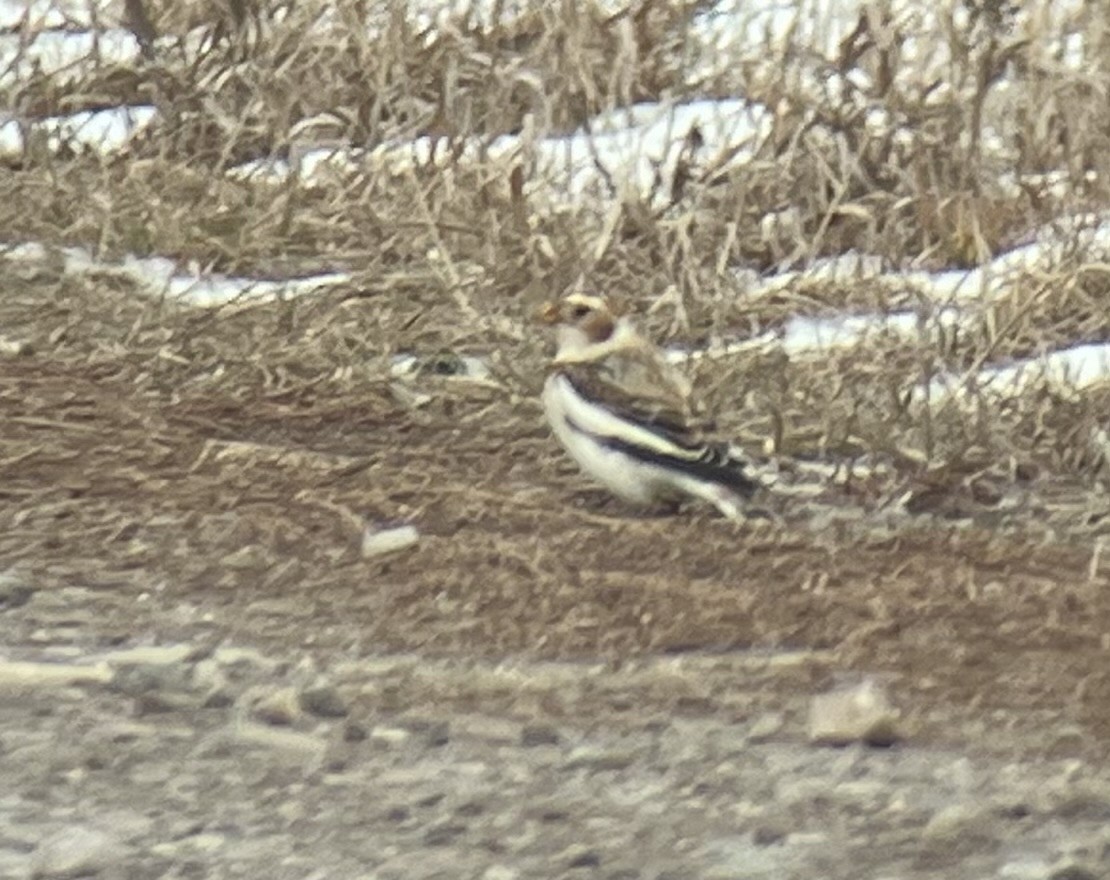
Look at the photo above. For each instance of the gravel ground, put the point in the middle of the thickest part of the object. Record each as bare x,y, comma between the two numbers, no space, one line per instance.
219,758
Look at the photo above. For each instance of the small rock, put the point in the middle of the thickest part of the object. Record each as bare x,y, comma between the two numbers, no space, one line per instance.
765,727
389,736
244,558
1024,869
203,843
378,542
14,591
441,835
500,872
76,852
957,823
539,735
157,687
353,732
862,713
583,858
593,758
16,347
245,659
324,701
280,708
293,742
499,731
437,734
19,676
149,655
766,835
209,679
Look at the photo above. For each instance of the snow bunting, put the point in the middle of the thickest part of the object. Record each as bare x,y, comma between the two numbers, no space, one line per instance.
625,415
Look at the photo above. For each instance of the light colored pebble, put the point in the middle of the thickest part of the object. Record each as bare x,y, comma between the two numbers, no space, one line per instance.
390,736
193,845
378,542
861,713
956,822
500,872
765,727
149,655
233,656
498,731
19,676
292,741
15,347
595,758
280,707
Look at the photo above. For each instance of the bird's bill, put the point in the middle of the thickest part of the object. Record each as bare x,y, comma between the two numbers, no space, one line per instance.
549,313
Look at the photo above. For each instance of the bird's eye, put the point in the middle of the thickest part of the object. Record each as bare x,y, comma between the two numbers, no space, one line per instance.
580,312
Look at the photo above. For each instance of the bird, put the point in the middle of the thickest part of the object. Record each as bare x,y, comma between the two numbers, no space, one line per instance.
627,417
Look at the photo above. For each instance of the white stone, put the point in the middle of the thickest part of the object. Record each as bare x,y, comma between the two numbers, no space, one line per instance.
378,542
861,713
21,676
390,736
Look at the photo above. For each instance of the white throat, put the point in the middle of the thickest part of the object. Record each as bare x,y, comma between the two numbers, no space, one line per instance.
574,346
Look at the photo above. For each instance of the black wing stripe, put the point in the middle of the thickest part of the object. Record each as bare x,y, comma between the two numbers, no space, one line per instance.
669,426
714,463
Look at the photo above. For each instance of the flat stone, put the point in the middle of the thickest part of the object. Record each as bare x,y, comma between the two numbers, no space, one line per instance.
16,347
862,713
594,758
390,736
578,857
192,845
292,741
18,676
955,823
149,655
281,707
539,735
157,687
324,701
1024,869
378,542
499,731
765,727
500,872
243,657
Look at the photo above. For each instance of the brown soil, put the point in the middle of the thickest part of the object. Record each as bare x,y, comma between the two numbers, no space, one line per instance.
231,501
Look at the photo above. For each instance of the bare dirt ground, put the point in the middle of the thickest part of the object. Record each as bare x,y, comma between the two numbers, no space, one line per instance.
546,685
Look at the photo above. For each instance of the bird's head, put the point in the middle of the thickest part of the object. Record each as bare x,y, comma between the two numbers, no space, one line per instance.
582,322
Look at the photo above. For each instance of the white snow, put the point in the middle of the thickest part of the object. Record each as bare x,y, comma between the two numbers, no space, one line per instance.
101,131
60,52
36,14
1074,368
628,153
159,276
635,150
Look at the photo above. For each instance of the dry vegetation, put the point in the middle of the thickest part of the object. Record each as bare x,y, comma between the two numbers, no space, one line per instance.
239,451
445,251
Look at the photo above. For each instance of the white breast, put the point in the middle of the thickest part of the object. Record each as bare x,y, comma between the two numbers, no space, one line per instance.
624,476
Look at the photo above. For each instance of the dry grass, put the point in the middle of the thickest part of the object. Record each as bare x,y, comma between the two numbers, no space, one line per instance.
453,255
